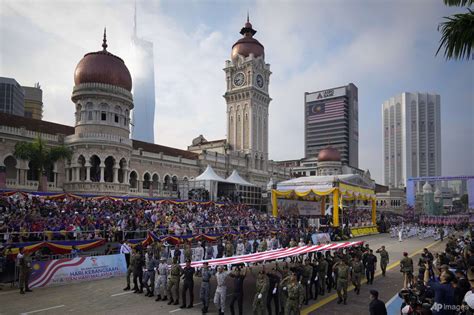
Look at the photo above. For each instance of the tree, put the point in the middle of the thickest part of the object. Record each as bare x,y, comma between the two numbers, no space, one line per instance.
465,200
457,32
40,156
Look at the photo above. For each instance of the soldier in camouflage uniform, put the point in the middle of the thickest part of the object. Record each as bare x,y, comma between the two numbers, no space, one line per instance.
260,300
24,265
204,293
406,267
323,271
295,296
383,259
342,281
306,280
173,282
285,278
357,271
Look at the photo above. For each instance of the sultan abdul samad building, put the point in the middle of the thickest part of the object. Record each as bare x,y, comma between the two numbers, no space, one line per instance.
106,161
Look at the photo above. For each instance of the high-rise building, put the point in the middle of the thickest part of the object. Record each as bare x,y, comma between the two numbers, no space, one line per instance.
33,101
12,97
411,137
247,78
332,117
143,75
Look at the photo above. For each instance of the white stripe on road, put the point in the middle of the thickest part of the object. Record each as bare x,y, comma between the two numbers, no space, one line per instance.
44,309
9,292
123,293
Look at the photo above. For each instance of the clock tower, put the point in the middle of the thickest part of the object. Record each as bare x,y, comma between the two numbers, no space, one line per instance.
248,77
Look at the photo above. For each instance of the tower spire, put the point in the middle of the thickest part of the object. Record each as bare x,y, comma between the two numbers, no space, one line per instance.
248,20
104,41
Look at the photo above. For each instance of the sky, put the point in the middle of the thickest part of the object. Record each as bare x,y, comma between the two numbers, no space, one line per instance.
383,47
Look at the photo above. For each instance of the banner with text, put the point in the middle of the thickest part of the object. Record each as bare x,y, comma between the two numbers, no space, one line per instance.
298,207
71,270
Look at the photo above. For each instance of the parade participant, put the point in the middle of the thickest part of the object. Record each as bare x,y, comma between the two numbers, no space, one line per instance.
188,284
342,281
162,272
220,294
173,283
273,292
188,252
306,279
357,270
24,265
150,265
406,267
284,290
229,249
130,269
323,271
370,266
205,291
209,251
126,250
238,294
383,259
138,263
295,298
330,276
261,291
314,280
400,235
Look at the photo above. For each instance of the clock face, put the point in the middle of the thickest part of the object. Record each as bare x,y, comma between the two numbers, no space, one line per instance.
239,79
260,81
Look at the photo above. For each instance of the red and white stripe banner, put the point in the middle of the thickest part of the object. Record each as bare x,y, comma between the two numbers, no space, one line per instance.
273,254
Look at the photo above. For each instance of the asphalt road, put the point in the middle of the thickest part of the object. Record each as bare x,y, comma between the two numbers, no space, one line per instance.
107,296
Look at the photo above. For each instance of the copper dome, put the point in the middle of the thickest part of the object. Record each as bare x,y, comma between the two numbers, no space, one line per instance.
247,44
103,67
329,154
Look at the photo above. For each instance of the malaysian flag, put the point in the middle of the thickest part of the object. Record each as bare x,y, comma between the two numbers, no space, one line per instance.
324,111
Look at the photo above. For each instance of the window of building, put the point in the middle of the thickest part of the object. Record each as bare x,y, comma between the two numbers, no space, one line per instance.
312,173
116,118
103,116
89,115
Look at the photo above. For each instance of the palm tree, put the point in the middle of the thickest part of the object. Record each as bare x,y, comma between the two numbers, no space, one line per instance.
40,156
457,32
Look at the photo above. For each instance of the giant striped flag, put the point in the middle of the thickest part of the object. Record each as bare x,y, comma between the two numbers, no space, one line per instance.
326,110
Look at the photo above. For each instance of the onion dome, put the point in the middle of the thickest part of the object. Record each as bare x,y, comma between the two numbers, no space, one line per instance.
103,67
329,154
247,44
427,188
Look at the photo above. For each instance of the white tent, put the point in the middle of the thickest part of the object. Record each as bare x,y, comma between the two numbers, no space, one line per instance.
208,180
210,174
235,178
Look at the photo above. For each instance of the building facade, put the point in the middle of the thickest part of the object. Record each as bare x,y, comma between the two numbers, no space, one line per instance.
106,160
33,101
332,117
143,115
12,97
411,137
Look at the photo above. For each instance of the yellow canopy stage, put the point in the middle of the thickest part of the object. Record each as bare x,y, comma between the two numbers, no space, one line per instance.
340,187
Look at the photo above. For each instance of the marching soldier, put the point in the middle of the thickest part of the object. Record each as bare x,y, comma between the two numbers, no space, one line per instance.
406,267
285,278
342,281
383,259
295,296
131,267
188,284
260,299
323,271
204,293
220,294
330,274
314,280
138,263
306,280
24,265
357,270
173,282
161,282
150,265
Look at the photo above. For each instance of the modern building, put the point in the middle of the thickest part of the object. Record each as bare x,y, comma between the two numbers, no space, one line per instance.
143,114
411,137
331,117
12,97
106,161
33,101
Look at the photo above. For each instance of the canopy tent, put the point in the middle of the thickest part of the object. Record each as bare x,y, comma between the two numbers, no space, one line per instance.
339,187
235,178
207,182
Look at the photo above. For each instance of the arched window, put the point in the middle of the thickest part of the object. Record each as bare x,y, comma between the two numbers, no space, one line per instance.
109,169
10,167
133,180
95,168
146,181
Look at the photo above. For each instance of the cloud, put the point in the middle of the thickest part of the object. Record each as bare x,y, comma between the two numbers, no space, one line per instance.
384,48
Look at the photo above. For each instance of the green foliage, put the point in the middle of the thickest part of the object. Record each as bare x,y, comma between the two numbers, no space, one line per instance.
40,156
465,200
458,3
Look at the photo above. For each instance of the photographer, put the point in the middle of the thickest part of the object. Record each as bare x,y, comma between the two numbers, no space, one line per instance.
444,303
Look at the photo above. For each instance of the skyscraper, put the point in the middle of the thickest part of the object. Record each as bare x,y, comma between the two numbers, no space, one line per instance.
143,75
33,101
331,117
411,137
12,97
